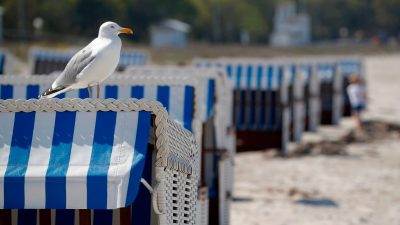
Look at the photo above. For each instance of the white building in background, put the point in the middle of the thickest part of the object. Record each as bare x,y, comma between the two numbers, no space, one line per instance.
290,28
169,33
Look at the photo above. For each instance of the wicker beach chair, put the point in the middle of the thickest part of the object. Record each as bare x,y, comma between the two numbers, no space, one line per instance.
218,139
180,96
312,110
74,161
46,60
331,91
260,105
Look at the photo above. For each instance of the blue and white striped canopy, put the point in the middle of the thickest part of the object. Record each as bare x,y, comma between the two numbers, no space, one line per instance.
130,57
350,66
71,160
326,71
251,75
178,100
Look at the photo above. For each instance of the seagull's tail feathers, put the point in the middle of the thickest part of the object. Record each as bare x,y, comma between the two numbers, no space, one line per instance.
53,92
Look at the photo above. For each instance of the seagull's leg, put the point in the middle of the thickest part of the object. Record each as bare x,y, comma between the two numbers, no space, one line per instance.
98,90
90,91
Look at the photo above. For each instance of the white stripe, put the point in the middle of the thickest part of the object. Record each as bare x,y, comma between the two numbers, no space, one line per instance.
176,111
275,78
124,91
6,129
35,190
150,92
81,152
19,91
72,94
121,157
264,76
254,76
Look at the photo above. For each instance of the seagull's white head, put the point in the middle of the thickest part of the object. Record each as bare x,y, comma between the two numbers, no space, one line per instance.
111,29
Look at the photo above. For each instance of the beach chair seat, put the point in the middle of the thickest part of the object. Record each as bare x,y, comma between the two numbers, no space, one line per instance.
82,161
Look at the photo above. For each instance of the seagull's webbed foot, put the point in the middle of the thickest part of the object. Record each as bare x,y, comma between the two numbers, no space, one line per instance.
90,91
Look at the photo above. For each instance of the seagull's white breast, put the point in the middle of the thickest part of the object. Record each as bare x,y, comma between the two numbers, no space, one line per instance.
107,52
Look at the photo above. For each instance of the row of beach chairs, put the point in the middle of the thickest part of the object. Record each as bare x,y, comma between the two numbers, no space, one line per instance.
158,146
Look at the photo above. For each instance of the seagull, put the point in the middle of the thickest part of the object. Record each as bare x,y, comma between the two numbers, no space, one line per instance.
92,64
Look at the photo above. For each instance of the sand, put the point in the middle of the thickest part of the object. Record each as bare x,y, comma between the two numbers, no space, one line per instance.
358,184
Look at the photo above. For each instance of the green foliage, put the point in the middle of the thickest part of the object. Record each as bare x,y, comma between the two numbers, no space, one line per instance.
211,20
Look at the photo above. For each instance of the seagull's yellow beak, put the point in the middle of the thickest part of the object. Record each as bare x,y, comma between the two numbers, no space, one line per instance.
125,31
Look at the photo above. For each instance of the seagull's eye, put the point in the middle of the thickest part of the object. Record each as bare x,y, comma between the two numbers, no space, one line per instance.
112,27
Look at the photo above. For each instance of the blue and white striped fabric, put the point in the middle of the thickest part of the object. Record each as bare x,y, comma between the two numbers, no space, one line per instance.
2,62
325,71
349,67
209,97
137,58
71,160
178,100
251,81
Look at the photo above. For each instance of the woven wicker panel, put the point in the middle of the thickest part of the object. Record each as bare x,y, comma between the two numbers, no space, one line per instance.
181,197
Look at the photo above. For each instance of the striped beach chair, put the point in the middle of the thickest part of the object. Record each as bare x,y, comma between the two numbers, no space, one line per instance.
181,96
46,61
74,161
331,91
296,99
312,109
218,140
260,105
349,66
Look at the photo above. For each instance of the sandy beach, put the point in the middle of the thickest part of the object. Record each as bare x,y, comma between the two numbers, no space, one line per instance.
357,182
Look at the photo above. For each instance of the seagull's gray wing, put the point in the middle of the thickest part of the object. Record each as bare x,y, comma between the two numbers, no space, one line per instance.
74,67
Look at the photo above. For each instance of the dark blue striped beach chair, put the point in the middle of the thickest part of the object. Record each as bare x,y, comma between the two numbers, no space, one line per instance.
260,105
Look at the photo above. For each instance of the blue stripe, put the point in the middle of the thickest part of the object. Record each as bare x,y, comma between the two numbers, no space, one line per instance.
27,216
100,160
65,216
14,189
83,93
59,160
259,76
229,70
238,75
139,158
32,91
141,208
102,217
111,91
270,76
163,96
6,91
249,73
188,108
210,97
61,95
137,92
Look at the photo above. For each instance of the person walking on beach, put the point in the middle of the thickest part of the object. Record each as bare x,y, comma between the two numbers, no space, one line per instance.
357,96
